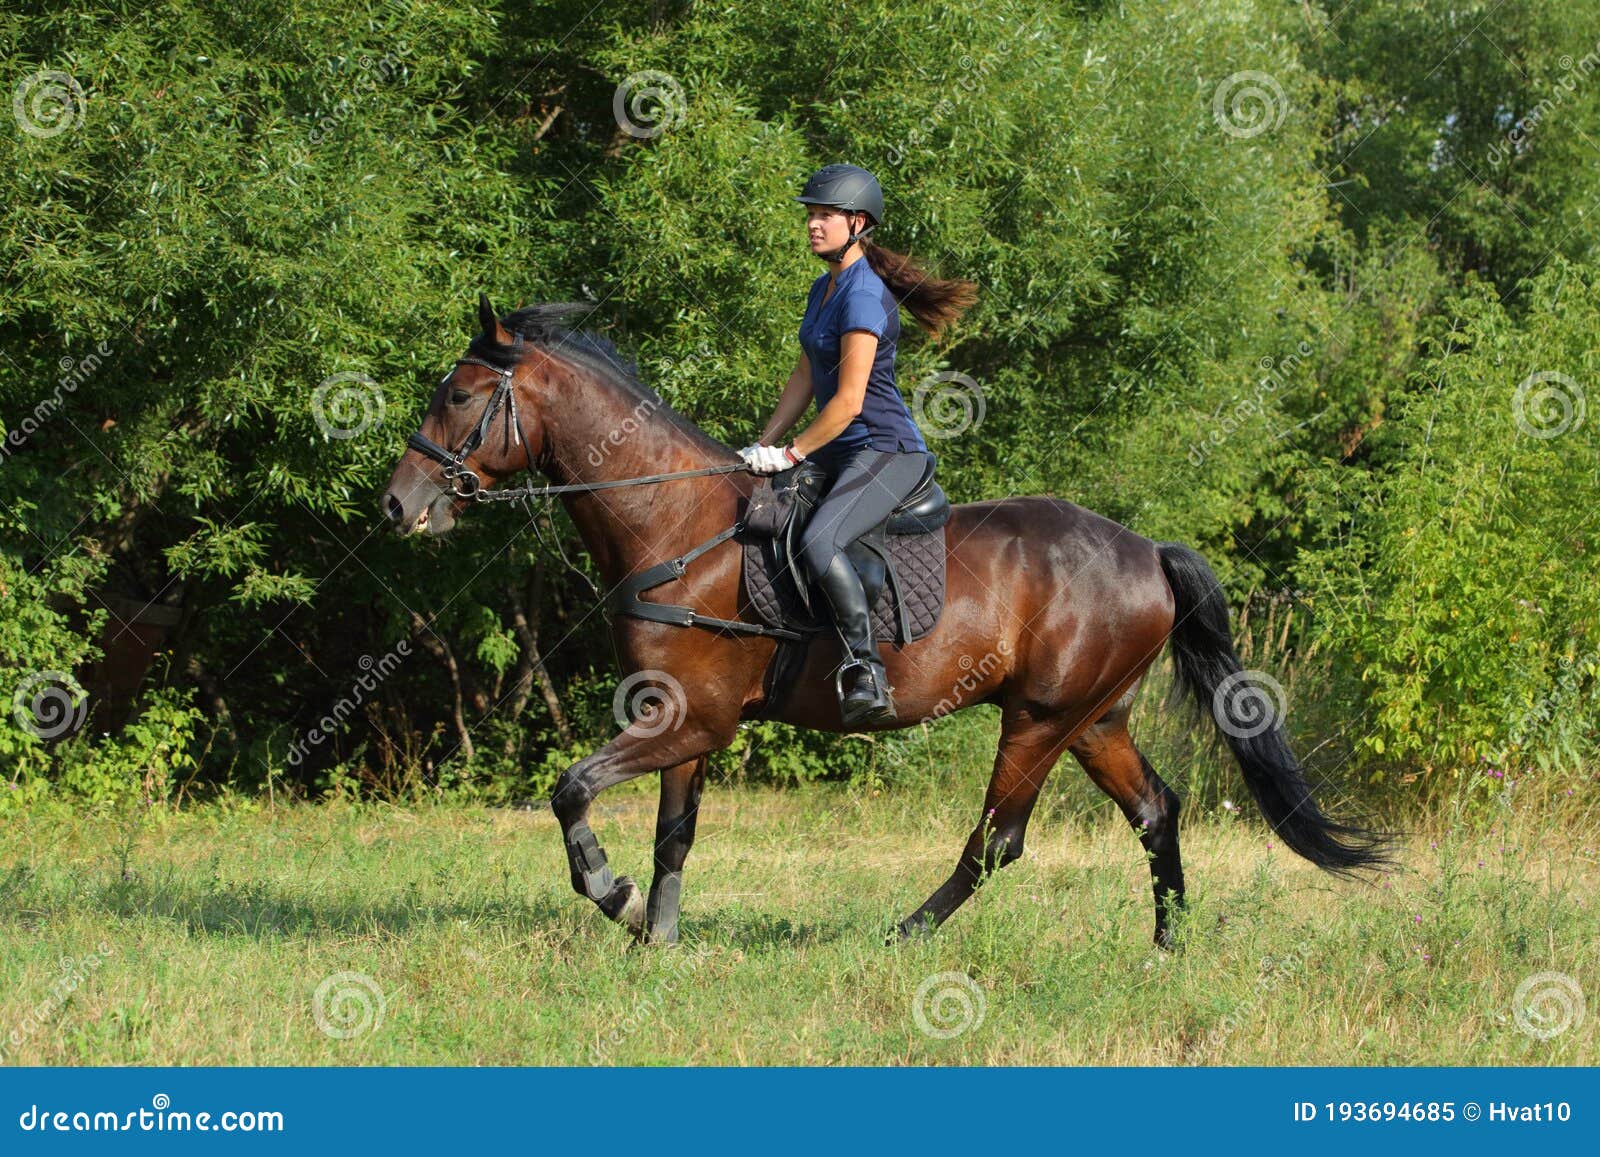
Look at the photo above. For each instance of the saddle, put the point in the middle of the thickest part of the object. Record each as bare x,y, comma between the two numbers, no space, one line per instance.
900,560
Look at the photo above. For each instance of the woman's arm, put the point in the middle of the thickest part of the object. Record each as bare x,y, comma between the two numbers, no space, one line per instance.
857,348
796,396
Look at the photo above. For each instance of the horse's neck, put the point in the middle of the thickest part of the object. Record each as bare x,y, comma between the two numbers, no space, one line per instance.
625,529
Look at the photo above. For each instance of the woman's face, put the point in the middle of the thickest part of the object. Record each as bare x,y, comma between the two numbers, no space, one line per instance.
829,228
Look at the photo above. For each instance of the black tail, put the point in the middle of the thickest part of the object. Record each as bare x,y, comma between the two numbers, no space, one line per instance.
1247,714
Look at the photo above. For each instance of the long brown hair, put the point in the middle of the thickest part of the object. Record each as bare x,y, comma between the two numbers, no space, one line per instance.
934,302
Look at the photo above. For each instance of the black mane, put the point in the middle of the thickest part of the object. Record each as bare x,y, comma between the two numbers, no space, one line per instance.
553,326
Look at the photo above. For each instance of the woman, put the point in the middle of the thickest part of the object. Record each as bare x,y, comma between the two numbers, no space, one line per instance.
863,435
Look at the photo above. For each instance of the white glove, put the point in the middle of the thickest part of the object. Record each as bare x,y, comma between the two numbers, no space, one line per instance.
766,459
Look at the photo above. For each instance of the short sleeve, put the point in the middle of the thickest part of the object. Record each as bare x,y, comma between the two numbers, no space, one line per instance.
863,311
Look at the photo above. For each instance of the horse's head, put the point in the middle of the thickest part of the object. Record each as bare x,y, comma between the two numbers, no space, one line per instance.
536,390
480,428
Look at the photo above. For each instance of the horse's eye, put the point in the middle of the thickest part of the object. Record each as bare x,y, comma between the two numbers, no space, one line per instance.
459,397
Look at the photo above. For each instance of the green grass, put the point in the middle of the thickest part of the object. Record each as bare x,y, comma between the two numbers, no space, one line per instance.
218,923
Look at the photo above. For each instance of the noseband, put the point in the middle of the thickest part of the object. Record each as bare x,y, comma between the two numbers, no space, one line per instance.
463,480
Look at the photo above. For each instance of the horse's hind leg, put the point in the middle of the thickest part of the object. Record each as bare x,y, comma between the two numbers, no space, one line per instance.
1029,748
1120,769
675,821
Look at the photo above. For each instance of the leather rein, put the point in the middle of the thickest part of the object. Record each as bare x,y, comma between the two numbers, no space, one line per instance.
464,481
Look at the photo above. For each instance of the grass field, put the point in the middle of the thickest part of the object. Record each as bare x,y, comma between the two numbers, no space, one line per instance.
202,936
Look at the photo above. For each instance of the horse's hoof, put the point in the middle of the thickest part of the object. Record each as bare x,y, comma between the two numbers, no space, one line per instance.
908,930
1155,960
626,905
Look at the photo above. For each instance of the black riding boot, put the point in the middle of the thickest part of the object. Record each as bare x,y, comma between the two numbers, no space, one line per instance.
868,700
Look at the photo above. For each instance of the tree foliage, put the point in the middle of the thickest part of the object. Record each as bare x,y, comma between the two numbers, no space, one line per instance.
1255,276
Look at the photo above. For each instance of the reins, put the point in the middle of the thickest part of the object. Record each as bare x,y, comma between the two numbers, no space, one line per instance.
511,494
464,482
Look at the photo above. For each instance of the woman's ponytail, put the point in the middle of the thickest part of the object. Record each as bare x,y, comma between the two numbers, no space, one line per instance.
934,302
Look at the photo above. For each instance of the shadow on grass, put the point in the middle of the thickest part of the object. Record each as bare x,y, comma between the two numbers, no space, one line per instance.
259,910
756,931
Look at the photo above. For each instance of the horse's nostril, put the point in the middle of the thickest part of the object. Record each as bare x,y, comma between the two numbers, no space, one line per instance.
394,509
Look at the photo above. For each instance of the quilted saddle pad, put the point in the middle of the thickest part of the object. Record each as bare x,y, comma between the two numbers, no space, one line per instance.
918,562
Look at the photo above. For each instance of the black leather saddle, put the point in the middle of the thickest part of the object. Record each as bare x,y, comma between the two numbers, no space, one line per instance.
784,512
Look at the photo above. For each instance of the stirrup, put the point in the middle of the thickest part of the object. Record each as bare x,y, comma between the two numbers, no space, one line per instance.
874,710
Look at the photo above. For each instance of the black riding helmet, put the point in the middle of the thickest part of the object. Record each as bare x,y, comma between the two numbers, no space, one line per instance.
847,187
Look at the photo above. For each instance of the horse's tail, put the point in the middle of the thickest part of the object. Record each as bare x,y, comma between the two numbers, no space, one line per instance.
1246,710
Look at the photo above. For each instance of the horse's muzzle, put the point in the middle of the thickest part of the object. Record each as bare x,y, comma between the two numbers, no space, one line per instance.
414,503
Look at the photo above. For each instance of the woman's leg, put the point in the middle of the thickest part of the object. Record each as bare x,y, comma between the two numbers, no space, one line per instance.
870,484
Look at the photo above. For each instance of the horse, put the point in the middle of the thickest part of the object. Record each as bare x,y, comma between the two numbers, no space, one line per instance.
1067,610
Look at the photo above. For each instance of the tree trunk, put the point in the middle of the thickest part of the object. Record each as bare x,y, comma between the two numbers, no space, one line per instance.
532,668
440,650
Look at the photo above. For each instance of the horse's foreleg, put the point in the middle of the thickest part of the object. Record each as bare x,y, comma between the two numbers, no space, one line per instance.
675,822
634,752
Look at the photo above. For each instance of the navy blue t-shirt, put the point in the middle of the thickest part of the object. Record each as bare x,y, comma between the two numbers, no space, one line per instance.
860,301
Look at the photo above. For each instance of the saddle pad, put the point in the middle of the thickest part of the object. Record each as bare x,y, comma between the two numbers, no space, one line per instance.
919,563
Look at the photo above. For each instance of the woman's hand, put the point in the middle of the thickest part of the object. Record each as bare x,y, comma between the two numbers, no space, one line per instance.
769,459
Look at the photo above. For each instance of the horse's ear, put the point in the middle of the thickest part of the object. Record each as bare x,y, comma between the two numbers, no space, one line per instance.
488,319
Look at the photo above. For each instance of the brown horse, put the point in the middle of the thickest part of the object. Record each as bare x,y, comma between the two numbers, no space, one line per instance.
1052,613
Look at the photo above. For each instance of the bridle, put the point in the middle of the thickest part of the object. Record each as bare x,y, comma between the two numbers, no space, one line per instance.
466,484
464,481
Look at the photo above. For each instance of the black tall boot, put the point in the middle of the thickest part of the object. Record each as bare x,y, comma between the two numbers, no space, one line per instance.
867,701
